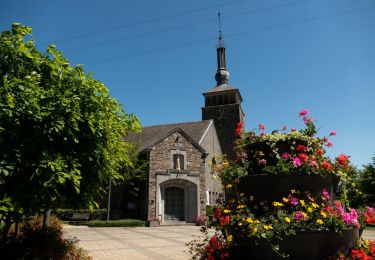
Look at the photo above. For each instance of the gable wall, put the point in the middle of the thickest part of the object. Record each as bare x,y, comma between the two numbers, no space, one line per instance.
160,161
211,144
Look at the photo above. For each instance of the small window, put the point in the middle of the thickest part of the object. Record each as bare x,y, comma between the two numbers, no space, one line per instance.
208,101
226,99
214,100
220,99
178,162
232,99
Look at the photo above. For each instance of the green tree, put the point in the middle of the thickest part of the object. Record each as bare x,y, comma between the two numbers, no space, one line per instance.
61,133
367,183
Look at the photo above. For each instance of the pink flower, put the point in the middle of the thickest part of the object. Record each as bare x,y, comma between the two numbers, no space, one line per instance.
350,218
307,120
325,194
299,216
313,163
285,156
303,112
293,129
296,162
329,144
293,200
325,139
262,162
262,127
332,133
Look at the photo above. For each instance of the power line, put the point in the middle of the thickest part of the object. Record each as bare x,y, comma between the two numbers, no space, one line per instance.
267,28
185,26
143,22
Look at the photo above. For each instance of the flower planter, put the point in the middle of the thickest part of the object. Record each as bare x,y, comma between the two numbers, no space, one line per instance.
313,245
266,187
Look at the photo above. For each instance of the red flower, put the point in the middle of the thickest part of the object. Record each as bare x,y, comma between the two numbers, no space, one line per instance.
303,157
301,148
343,159
217,213
224,220
239,128
262,127
326,165
319,151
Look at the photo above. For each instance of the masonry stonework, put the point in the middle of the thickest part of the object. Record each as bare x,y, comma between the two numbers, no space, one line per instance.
160,162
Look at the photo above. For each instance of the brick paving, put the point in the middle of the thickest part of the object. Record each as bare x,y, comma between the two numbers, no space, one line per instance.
165,242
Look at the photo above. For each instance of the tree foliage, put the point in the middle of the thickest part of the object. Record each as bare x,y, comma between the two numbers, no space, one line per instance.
61,133
367,183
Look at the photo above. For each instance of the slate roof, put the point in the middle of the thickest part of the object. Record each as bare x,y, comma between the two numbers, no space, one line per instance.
151,135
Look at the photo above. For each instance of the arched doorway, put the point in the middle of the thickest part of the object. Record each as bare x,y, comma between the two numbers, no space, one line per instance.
174,204
177,201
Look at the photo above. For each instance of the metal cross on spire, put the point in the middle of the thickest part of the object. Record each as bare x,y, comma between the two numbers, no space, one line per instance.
221,43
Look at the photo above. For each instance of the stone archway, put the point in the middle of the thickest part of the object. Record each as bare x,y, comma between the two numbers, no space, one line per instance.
178,201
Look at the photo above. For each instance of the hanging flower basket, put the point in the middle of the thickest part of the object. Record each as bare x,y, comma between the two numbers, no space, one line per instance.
312,245
266,187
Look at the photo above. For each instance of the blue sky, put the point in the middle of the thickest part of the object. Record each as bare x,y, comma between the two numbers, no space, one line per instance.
157,57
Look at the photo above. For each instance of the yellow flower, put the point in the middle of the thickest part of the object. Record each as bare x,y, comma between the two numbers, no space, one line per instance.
261,153
229,186
241,206
226,211
302,202
240,224
310,209
319,221
304,214
277,204
285,199
293,191
249,220
287,219
242,194
324,215
230,238
251,198
314,205
254,230
225,164
267,227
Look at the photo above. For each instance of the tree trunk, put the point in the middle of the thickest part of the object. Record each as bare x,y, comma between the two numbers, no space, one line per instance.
8,224
47,214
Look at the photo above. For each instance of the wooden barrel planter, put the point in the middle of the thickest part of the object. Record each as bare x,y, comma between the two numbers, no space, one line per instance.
267,187
312,245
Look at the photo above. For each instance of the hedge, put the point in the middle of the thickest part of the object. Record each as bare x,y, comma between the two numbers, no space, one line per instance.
67,214
117,223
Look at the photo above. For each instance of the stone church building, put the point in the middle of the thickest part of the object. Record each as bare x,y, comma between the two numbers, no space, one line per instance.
180,183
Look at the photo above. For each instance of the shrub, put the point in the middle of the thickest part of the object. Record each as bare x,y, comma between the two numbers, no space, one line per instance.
32,241
67,214
117,223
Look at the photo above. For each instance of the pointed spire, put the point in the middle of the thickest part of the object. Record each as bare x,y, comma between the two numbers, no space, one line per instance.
222,75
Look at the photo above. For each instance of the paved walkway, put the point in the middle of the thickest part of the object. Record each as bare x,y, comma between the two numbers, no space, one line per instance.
165,242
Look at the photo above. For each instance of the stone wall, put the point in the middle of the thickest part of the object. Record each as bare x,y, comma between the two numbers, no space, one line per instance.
160,161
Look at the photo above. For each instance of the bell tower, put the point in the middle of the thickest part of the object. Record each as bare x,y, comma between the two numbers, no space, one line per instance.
223,102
